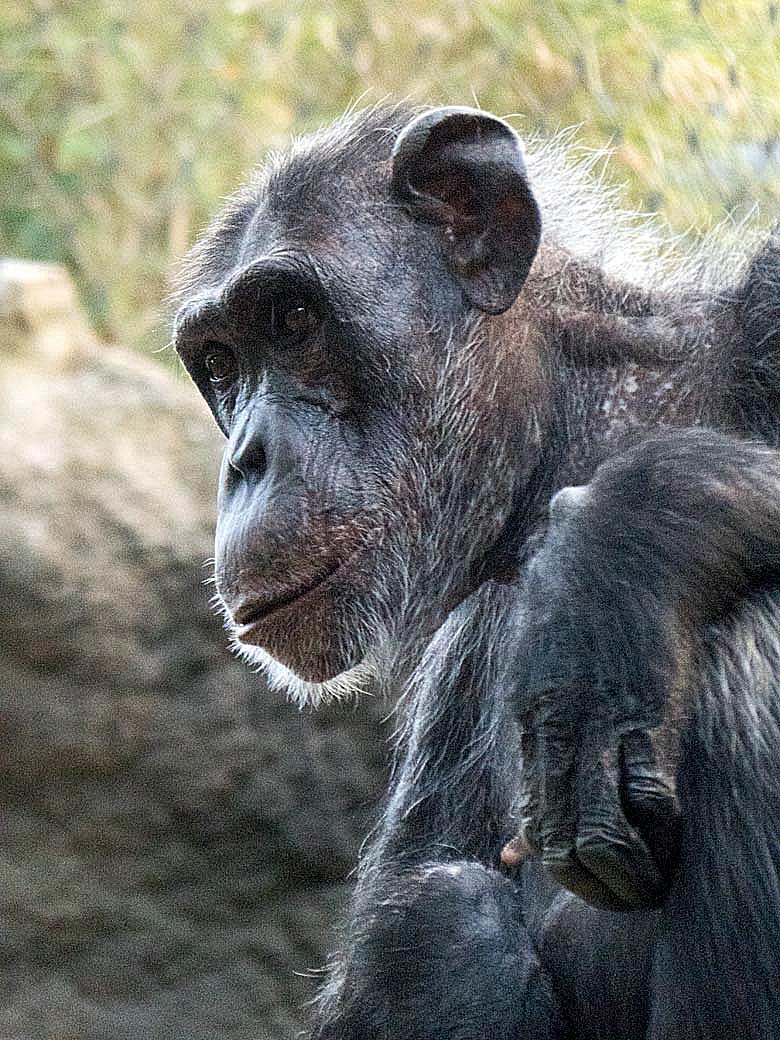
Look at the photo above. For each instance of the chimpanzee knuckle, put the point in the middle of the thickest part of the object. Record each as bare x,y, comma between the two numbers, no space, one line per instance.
529,812
558,733
603,830
625,867
657,819
603,844
575,876
560,859
563,868
529,838
641,777
567,872
644,786
650,802
651,749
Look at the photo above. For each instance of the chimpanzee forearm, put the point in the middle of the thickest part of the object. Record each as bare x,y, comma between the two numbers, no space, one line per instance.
426,894
667,537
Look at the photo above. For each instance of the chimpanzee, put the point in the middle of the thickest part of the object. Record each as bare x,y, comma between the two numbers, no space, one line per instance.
481,450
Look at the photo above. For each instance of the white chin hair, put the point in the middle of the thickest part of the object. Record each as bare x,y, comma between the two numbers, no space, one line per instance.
356,682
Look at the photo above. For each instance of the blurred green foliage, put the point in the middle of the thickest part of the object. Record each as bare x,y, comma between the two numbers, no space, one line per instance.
121,125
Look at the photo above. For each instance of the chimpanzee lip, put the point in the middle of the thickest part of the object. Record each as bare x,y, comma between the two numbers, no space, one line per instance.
249,615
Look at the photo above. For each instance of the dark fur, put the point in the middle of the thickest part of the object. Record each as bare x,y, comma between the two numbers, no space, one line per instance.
646,603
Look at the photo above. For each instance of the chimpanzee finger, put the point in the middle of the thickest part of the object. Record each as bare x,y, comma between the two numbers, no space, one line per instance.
648,800
557,747
529,792
606,845
516,851
527,841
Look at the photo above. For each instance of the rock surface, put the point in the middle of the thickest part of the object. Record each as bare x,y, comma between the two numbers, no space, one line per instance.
174,838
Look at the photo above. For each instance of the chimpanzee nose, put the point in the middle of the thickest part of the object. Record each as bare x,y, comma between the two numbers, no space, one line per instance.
246,454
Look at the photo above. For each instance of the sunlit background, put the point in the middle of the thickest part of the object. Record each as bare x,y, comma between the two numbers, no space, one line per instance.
121,125
175,839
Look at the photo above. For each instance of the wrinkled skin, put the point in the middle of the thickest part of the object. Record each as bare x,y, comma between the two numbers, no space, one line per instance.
462,458
333,426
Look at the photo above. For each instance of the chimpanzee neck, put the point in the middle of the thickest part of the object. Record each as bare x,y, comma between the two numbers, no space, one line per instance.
615,362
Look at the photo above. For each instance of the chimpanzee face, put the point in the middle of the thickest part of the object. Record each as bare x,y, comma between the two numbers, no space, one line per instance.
332,319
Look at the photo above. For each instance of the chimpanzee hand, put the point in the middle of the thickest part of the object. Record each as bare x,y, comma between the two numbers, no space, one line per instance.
666,538
611,835
596,660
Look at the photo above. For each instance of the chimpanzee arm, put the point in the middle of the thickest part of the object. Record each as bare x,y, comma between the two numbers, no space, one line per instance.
436,944
454,779
666,538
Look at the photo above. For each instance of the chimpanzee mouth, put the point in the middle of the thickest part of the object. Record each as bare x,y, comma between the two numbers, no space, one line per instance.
247,618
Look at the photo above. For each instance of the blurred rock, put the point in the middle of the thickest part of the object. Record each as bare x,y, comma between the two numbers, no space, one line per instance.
40,314
173,836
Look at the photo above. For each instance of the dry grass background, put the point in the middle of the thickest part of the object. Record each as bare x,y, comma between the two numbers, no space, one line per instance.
121,125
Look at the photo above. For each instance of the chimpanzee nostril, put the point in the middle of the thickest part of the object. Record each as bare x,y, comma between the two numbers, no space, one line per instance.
247,461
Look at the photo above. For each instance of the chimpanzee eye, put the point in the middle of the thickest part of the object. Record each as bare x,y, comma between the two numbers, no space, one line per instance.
220,364
297,318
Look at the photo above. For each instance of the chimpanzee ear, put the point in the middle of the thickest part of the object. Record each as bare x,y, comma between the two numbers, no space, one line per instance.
463,170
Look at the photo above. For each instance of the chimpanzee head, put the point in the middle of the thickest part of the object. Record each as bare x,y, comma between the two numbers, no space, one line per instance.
341,317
